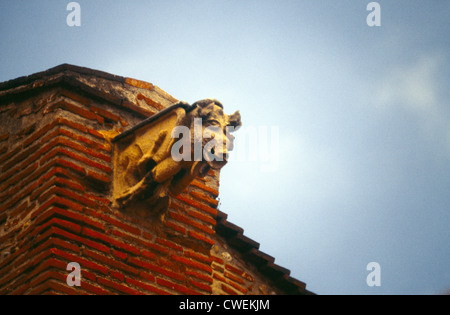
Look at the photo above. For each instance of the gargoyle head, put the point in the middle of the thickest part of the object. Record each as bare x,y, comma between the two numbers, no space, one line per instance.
217,127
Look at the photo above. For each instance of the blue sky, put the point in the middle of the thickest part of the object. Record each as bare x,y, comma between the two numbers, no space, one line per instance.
360,117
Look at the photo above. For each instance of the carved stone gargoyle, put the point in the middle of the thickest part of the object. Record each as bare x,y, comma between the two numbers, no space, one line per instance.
163,154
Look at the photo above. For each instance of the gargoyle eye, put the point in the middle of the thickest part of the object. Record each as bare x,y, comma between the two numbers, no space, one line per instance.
213,122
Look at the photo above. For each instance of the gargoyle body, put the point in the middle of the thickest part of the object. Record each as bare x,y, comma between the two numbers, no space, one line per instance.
148,167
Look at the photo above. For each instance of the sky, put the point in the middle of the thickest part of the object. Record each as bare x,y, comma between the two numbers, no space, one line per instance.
344,154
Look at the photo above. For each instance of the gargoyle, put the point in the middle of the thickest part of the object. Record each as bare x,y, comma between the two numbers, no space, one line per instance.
153,161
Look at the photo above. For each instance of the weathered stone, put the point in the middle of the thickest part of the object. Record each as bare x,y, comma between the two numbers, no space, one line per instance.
146,171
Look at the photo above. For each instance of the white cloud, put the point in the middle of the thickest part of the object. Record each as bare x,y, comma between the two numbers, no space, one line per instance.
412,86
417,88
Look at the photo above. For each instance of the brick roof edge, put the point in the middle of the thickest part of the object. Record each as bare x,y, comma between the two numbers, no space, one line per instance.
249,249
29,84
60,68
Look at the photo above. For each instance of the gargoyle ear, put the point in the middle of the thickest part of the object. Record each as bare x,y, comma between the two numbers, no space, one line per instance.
235,120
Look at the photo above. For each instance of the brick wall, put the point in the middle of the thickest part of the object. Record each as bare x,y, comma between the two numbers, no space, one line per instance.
55,200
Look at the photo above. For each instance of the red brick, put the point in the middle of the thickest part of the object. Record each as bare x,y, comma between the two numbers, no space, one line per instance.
205,188
146,287
61,176
96,133
190,222
106,114
158,248
200,257
147,254
155,268
139,84
119,254
234,270
147,235
233,277
117,275
139,263
198,275
82,149
44,157
169,244
52,262
238,287
147,276
177,287
86,141
46,151
11,274
75,238
123,122
201,286
193,264
15,198
62,182
205,198
89,275
111,262
49,136
96,256
150,102
62,203
94,289
58,222
198,205
72,124
70,165
101,200
212,172
84,160
240,273
36,135
175,227
8,155
45,275
63,244
132,239
52,284
65,193
201,237
217,259
75,97
122,225
117,286
76,110
16,175
6,267
81,218
84,263
98,177
110,241
203,217
228,290
169,264
23,284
